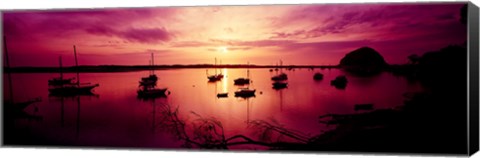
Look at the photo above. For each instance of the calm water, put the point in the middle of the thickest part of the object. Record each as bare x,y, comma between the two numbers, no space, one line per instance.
117,118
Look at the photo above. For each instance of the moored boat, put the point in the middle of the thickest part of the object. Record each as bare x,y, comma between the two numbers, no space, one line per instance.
339,82
58,81
280,77
245,92
151,79
242,80
222,95
76,88
147,92
318,76
73,89
279,85
215,77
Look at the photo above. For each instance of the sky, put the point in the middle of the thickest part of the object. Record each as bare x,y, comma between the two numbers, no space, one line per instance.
296,34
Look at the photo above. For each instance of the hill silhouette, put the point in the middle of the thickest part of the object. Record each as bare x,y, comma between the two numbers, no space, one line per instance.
364,61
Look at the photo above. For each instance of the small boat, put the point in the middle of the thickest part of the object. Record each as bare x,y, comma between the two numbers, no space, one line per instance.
270,70
245,92
318,76
222,95
216,77
147,82
280,77
73,88
363,107
279,85
243,81
150,79
147,92
339,82
58,81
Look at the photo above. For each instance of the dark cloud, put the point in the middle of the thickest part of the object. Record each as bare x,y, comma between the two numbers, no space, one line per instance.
152,35
144,35
336,19
298,33
54,23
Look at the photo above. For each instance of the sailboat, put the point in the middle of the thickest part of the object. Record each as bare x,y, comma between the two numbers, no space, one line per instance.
280,80
216,77
340,82
318,76
281,77
148,86
245,92
152,78
73,89
58,81
151,92
243,81
279,85
15,109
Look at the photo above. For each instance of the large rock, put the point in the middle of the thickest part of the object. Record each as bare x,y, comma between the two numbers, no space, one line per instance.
364,61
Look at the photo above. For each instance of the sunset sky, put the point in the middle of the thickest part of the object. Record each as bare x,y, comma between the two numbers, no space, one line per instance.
296,34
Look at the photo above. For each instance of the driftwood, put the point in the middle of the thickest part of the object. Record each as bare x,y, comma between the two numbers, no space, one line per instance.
208,132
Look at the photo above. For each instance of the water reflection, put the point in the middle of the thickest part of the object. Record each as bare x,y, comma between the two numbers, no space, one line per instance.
225,81
76,100
119,118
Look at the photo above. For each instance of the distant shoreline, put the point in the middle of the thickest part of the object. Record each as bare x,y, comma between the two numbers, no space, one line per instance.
125,68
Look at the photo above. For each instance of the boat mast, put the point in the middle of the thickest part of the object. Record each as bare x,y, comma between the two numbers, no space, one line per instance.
76,65
8,66
215,66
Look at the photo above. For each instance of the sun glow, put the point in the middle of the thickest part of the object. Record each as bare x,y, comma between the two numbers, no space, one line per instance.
223,49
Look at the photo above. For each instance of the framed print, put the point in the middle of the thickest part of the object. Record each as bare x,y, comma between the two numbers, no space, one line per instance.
399,78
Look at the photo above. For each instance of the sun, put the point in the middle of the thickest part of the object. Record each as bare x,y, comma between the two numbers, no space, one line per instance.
223,49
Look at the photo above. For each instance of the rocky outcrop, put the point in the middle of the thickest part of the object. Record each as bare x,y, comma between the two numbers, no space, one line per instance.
364,61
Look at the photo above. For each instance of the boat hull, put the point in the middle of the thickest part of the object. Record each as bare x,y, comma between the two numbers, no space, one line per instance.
72,90
245,93
279,85
152,93
241,81
215,78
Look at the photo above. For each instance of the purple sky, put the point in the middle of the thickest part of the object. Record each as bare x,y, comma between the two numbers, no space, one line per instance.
296,34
